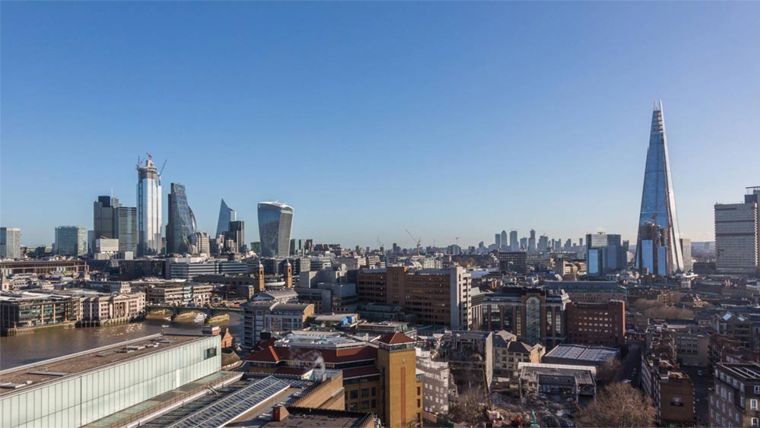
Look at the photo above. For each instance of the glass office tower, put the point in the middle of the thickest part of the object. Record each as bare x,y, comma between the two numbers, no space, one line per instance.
226,215
103,222
126,228
148,208
275,220
658,249
180,231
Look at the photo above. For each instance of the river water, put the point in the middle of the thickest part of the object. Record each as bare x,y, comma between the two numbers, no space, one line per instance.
44,344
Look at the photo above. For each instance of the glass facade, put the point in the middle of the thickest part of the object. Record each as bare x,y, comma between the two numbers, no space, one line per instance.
226,215
126,228
180,231
149,220
80,399
658,222
71,241
275,220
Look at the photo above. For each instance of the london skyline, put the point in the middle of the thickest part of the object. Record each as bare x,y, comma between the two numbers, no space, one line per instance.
508,140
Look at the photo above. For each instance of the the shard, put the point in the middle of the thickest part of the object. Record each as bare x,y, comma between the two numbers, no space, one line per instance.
658,248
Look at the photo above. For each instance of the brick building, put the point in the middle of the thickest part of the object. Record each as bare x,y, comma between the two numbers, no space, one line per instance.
434,296
596,323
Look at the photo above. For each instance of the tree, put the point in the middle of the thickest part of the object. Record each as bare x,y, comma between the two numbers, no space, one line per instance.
618,405
468,407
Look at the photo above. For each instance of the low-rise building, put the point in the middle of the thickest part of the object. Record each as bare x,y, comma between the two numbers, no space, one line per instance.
557,380
580,355
24,311
508,353
179,293
470,357
274,318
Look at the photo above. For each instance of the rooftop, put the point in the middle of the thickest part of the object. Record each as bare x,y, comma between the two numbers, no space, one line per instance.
597,354
14,379
746,371
312,418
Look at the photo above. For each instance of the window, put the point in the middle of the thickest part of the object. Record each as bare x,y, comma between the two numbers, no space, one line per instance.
753,404
755,422
757,389
210,353
354,394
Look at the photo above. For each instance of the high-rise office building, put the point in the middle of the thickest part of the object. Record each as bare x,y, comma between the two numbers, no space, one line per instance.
104,218
497,241
658,247
149,221
275,221
181,228
126,228
737,235
10,243
514,242
236,233
605,253
503,240
532,241
226,215
202,243
71,241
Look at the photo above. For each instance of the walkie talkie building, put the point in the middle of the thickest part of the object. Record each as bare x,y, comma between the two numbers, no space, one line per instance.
275,220
658,247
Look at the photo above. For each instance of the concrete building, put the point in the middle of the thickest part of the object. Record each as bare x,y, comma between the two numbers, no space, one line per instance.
596,323
179,293
273,318
44,267
735,399
71,241
557,381
23,312
435,296
737,235
189,268
435,385
10,243
80,389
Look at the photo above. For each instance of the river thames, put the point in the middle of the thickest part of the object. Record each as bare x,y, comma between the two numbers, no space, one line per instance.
44,344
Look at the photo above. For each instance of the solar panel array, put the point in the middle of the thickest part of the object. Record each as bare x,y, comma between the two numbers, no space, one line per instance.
230,407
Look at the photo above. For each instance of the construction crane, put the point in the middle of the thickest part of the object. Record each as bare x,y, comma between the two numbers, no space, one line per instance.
417,241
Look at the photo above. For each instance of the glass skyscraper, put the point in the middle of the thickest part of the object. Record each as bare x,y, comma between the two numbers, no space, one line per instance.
126,228
71,241
658,248
226,215
275,220
148,208
180,231
10,243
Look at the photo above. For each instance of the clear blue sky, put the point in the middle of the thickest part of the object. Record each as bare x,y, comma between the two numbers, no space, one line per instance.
447,119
